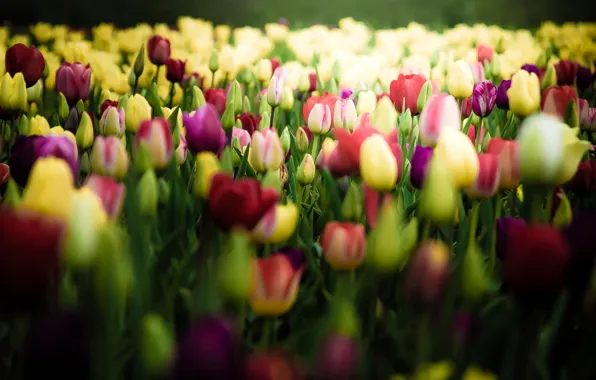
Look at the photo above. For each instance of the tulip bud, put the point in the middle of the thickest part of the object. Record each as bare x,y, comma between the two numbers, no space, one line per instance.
132,79
384,251
84,133
227,119
287,102
207,166
489,177
198,99
112,122
34,92
572,114
234,267
405,123
214,61
156,136
427,273
306,170
157,344
336,71
13,92
319,119
304,81
63,108
12,197
285,139
109,157
345,114
351,207
385,117
563,214
425,93
148,193
271,180
378,165
474,277
332,87
302,142
438,201
550,77
264,107
460,81
344,245
265,121
235,97
275,91
266,152
246,107
263,70
367,102
23,126
139,64
459,157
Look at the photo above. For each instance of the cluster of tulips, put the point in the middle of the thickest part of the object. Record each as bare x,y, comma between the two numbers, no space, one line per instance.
277,204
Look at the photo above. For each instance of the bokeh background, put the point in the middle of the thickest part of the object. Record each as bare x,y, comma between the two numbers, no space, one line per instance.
378,13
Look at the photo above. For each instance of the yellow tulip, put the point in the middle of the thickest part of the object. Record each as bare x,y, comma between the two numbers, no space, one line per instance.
58,130
42,31
438,201
460,82
367,102
473,373
262,71
378,165
137,109
277,225
207,166
13,93
458,156
38,125
167,112
385,118
49,188
524,93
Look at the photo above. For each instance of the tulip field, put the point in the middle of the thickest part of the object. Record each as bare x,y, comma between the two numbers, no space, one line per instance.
327,203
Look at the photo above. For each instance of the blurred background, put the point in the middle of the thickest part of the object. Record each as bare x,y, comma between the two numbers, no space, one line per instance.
377,13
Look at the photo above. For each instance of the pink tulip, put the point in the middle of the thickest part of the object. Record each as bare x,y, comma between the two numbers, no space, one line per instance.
487,182
441,111
73,81
109,191
157,136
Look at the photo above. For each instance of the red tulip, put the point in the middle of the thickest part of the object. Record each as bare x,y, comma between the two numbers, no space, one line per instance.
250,123
344,244
566,72
239,203
327,99
158,49
29,258
373,201
4,172
73,81
484,53
272,365
487,182
405,90
312,78
345,159
274,64
175,70
217,97
507,150
555,100
466,107
535,262
472,134
26,60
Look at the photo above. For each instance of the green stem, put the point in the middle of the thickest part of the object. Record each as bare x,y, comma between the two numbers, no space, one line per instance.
493,249
156,74
473,223
477,135
425,230
266,336
172,91
315,147
423,341
271,121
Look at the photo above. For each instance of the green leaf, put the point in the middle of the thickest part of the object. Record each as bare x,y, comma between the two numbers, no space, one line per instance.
333,195
244,163
292,181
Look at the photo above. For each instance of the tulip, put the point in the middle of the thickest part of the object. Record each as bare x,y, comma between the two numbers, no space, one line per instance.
460,82
302,140
474,283
327,148
249,122
29,258
466,107
556,99
158,50
59,343
367,102
483,98
338,358
440,113
535,263
175,70
275,91
507,151
109,157
38,126
426,92
242,136
275,285
156,344
427,274
181,150
504,228
26,60
277,224
210,351
319,119
73,81
488,180
217,98
583,78
419,165
241,203
385,118
156,135
137,109
550,77
272,365
438,201
204,131
345,114
287,103
35,92
378,165
484,53
110,193
502,100
263,70
326,99
344,245
459,156
49,188
4,173
549,151
477,69
112,121
148,194
207,167
531,69
266,152
405,90
26,150
306,170
566,72
13,93
524,93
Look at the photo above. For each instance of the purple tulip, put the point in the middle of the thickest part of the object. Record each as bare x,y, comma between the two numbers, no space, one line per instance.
27,149
209,351
583,78
531,69
295,255
204,131
420,161
59,345
346,92
339,358
502,98
73,81
483,98
504,226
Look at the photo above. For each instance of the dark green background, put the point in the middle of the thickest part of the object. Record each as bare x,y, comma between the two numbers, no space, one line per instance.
380,13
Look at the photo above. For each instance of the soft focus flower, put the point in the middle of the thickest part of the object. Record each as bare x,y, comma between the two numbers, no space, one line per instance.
306,170
112,121
427,274
250,123
275,285
266,152
175,69
531,69
109,157
343,244
460,82
319,119
556,99
477,69
26,60
583,78
204,131
484,53
484,97
326,99
441,112
239,203
535,262
38,126
275,91
504,227
466,107
272,365
73,81
13,93
385,117
566,72
507,150
345,114
277,225
459,156
378,165
344,158
137,109
156,135
367,102
524,93
338,358
158,50
419,165
405,91
110,193
502,100
263,70
488,180
207,166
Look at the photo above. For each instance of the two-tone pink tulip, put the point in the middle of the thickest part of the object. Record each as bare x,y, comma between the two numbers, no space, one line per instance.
440,112
266,152
112,121
489,177
507,151
344,245
556,99
477,69
110,193
319,119
345,114
156,135
109,157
